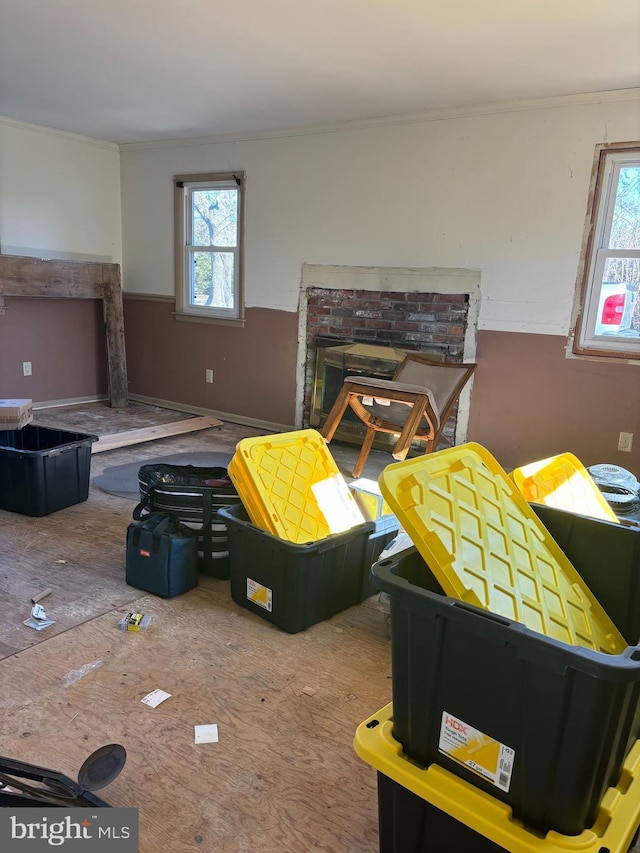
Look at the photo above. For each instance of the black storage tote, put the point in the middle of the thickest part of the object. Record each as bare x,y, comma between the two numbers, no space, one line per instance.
193,494
161,555
43,470
559,719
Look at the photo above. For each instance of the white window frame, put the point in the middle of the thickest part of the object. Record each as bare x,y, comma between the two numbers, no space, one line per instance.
609,159
185,248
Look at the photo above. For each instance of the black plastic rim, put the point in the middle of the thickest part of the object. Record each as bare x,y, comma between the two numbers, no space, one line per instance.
102,767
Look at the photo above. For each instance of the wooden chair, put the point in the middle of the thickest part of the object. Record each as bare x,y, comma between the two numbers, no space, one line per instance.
415,403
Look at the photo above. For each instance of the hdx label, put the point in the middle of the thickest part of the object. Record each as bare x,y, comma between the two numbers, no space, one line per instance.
484,755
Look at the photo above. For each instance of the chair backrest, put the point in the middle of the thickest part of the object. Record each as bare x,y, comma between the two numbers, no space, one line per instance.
444,380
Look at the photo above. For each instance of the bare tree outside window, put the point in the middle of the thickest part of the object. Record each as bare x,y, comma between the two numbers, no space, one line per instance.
209,240
215,224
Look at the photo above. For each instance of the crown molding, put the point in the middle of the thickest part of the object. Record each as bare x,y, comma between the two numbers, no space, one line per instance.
53,131
439,114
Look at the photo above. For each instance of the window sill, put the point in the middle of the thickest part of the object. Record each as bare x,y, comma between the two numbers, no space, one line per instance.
201,318
611,356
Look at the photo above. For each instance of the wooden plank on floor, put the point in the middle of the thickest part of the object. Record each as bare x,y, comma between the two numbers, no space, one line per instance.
138,436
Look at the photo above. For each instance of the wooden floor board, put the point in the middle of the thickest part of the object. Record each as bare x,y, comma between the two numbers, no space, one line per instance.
115,440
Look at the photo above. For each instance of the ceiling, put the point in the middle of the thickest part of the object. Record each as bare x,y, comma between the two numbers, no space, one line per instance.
135,70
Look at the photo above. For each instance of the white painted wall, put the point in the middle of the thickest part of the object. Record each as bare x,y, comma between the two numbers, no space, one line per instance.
59,194
499,190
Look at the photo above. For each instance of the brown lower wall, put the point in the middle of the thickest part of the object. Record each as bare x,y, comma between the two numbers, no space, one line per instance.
529,402
254,367
65,342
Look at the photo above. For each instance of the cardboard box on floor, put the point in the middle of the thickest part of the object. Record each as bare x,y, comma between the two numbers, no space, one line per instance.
15,414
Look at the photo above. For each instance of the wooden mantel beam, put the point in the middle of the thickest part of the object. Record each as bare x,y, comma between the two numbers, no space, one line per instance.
23,277
34,277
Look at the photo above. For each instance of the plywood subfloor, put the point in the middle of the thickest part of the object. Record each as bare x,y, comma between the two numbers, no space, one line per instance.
101,419
79,551
283,776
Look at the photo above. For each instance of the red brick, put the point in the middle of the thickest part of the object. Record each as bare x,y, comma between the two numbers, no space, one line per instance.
451,297
378,324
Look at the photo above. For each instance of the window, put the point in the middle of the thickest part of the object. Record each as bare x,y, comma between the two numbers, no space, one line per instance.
209,212
608,320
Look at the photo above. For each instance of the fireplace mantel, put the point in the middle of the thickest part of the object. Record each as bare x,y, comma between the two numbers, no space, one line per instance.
419,279
27,277
437,280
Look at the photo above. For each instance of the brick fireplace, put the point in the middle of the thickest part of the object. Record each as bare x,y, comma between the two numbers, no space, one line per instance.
365,319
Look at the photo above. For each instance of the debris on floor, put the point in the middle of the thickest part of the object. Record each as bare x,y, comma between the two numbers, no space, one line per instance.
39,596
135,622
206,734
154,698
75,675
38,619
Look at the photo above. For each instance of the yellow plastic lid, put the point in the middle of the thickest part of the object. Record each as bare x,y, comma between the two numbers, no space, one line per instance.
564,483
293,487
486,546
249,500
613,830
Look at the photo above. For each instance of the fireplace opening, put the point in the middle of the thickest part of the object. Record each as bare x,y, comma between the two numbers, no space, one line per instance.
364,320
336,360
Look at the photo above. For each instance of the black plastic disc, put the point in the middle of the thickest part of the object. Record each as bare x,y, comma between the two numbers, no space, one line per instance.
102,767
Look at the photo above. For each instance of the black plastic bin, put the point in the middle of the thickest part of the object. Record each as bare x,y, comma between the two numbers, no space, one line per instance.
43,470
607,556
409,824
569,714
294,586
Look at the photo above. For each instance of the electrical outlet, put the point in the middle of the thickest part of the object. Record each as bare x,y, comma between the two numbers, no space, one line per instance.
625,442
26,368
208,375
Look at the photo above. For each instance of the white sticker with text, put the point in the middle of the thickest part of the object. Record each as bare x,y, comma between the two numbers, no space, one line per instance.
484,755
259,594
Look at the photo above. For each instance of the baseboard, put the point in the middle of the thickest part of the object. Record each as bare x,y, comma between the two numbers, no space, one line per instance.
69,401
224,416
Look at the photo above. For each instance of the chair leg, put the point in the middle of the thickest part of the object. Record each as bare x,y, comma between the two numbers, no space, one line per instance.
335,415
409,429
364,451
